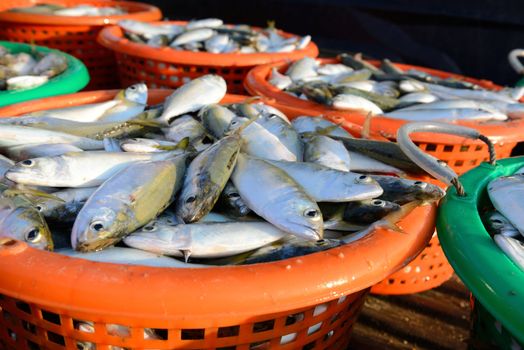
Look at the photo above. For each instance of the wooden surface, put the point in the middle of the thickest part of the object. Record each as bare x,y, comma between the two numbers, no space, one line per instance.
436,319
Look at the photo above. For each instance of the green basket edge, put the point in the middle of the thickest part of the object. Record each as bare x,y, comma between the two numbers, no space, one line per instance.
73,79
498,285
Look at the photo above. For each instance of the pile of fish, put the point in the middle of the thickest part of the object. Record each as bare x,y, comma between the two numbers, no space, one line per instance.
211,35
25,71
73,11
357,85
506,222
222,184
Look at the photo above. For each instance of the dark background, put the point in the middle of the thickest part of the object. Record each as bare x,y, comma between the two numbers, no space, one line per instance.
468,37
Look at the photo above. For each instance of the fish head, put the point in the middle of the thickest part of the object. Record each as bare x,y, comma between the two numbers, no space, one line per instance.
237,122
136,93
427,192
304,219
99,227
157,238
193,204
26,224
36,169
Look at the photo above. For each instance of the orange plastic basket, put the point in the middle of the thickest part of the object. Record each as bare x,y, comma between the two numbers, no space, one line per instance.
459,153
308,302
74,35
167,68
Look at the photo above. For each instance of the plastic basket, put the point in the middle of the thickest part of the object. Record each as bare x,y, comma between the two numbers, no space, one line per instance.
459,153
491,276
74,78
74,35
167,68
308,302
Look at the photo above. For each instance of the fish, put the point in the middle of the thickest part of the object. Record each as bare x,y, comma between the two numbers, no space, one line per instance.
192,96
217,43
231,202
144,145
306,124
207,176
66,210
16,135
353,102
303,68
323,150
364,164
368,211
513,248
129,256
125,202
182,127
498,224
282,202
417,97
24,82
204,240
148,30
22,152
473,114
333,69
50,65
284,132
88,10
21,221
356,62
324,184
278,80
402,191
216,119
194,35
505,193
112,110
76,169
259,142
205,23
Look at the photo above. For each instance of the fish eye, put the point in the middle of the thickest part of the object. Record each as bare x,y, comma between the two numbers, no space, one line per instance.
311,213
378,203
420,184
363,179
27,163
97,226
321,242
150,227
272,116
496,221
132,87
33,236
234,122
39,207
190,199
234,195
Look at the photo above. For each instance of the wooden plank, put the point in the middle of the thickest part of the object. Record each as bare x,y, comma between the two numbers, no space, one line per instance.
436,319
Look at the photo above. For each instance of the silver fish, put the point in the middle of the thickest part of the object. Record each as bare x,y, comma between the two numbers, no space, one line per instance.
276,197
506,195
325,151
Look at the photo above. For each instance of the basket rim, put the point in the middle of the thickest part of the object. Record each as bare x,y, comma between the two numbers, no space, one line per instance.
112,38
490,275
138,11
74,78
192,295
256,83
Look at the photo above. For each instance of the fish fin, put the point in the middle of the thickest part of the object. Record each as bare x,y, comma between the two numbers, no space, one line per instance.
149,114
35,193
271,24
111,145
390,220
367,126
239,130
187,254
252,99
144,122
327,130
182,144
121,95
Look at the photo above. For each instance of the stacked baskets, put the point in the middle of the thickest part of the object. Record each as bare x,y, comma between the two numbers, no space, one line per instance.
74,35
166,68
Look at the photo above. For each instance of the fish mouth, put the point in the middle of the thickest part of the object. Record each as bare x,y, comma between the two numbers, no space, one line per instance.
95,246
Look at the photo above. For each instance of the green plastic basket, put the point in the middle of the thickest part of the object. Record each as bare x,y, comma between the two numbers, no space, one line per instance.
73,79
495,281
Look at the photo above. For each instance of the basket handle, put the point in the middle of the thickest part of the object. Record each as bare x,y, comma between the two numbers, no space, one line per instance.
438,170
514,61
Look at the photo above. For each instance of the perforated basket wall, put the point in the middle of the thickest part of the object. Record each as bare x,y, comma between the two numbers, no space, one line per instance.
168,68
74,35
324,326
428,270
